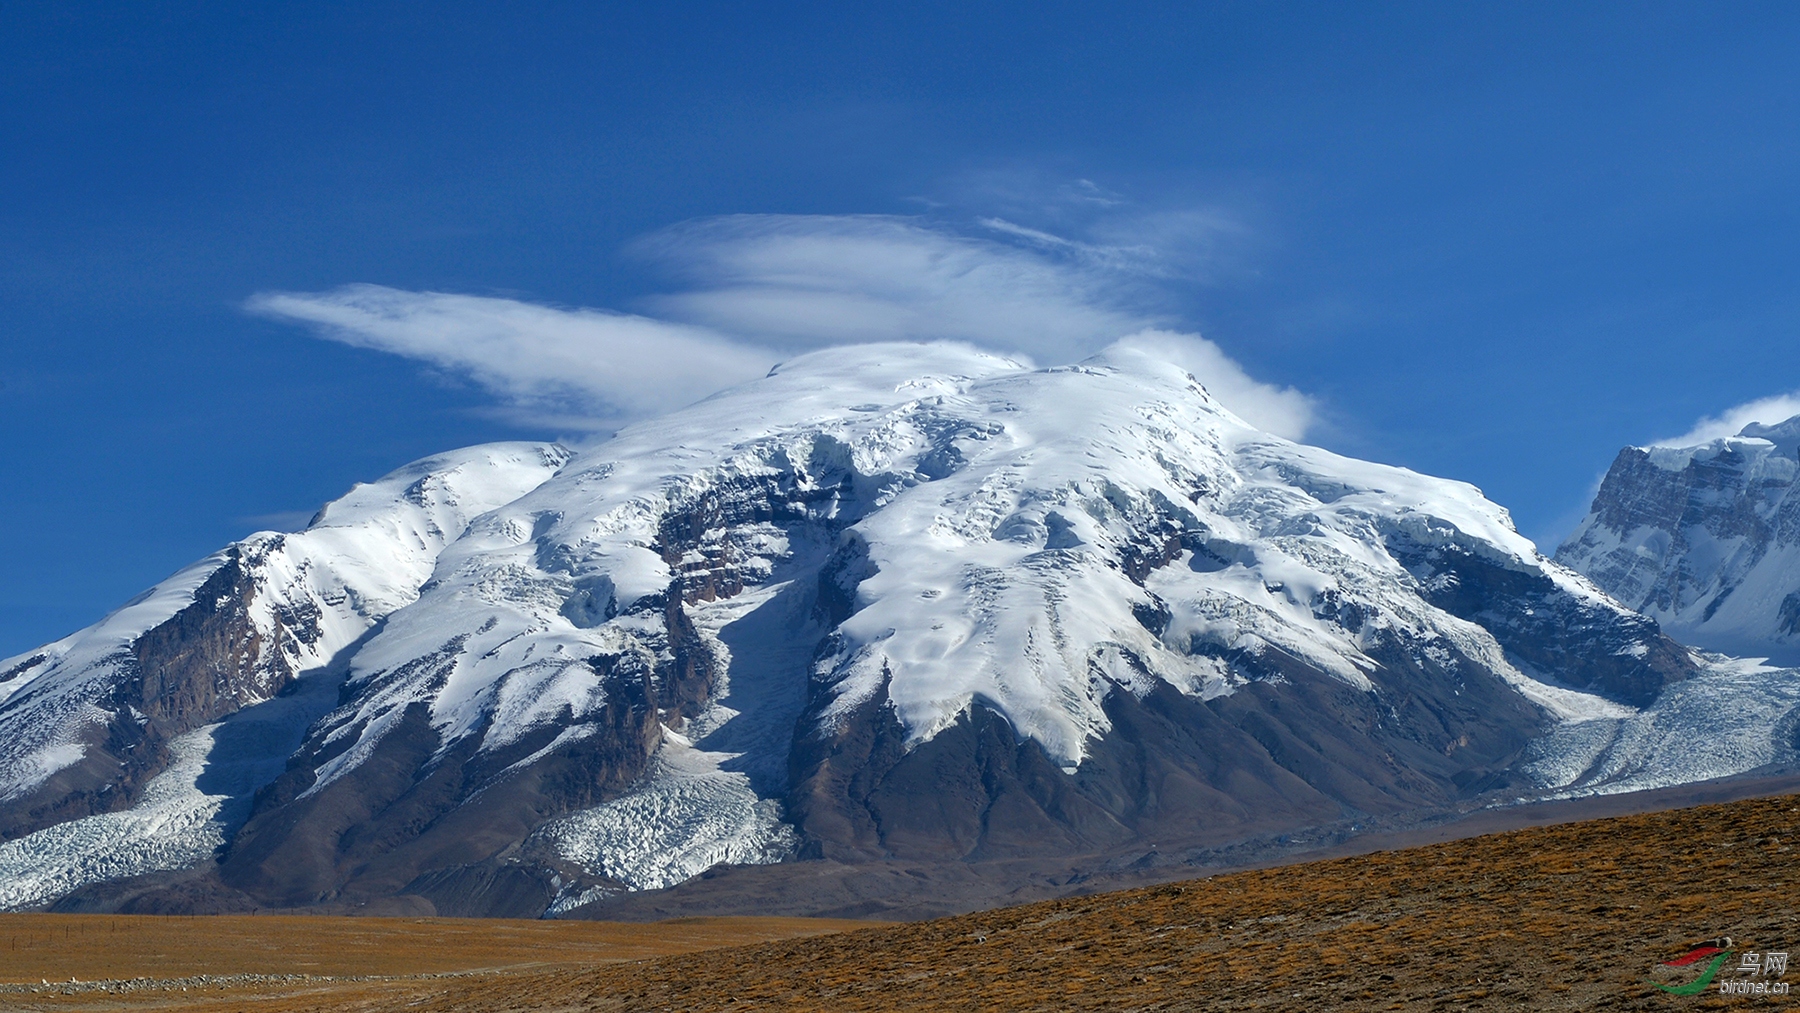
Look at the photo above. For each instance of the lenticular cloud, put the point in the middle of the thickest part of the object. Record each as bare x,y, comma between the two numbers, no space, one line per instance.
765,287
813,280
612,365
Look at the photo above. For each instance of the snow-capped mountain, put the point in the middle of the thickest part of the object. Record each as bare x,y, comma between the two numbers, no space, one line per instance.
891,602
1705,539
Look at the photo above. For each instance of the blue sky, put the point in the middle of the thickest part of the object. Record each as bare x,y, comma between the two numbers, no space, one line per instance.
1492,242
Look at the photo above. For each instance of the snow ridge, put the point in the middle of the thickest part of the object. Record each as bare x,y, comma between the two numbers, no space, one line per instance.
294,600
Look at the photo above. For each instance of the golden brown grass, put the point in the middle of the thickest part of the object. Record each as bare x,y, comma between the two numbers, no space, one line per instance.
50,950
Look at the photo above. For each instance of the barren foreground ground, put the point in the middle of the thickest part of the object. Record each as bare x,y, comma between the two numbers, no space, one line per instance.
1574,916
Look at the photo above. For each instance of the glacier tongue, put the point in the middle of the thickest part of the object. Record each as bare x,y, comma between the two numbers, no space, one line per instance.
175,825
689,815
183,815
715,797
1735,717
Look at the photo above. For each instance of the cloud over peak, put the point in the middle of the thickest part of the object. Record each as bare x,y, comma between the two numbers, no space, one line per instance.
1730,422
757,288
1283,411
812,280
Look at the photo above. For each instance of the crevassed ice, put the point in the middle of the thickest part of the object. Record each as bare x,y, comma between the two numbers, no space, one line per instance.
174,826
1733,718
686,817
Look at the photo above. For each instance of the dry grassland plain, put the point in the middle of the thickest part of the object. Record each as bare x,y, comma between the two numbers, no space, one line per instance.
1566,917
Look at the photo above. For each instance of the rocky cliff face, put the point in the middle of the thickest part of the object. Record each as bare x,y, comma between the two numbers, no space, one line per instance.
1704,539
889,604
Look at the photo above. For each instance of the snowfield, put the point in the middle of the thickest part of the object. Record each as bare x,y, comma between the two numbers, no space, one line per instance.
987,506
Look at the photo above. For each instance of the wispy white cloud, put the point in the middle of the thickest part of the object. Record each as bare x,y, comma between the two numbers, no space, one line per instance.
755,288
1086,191
1192,242
572,365
1768,411
1034,236
1283,411
806,281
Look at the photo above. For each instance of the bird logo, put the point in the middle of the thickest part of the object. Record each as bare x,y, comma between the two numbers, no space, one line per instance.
1717,949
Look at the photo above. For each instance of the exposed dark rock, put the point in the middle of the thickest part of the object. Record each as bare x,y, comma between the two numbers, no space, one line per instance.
1587,644
205,662
445,820
1293,749
22,667
1789,617
208,660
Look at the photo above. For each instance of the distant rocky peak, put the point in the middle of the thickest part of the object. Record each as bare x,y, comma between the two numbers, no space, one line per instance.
1704,538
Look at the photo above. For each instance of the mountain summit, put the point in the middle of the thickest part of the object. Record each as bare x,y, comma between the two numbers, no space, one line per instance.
1705,539
889,604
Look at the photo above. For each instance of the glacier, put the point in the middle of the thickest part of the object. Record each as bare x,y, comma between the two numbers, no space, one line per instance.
1737,716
